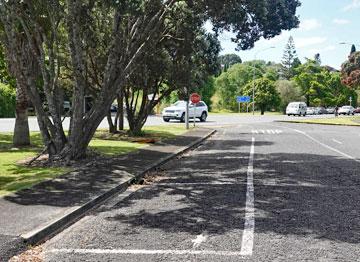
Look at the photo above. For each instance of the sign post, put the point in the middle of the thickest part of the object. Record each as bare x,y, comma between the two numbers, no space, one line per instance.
195,98
243,99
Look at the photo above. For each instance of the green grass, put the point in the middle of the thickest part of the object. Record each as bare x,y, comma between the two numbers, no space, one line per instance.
345,121
14,176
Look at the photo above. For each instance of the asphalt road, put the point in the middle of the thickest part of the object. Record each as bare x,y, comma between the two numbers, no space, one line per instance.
7,124
253,192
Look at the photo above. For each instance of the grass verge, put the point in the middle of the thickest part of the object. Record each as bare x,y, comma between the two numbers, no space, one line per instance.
14,176
342,121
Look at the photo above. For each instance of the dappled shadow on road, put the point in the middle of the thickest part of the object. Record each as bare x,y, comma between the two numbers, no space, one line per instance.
306,195
101,175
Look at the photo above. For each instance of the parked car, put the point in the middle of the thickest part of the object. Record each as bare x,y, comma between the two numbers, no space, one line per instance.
310,111
296,109
346,110
320,110
357,110
177,111
330,110
113,108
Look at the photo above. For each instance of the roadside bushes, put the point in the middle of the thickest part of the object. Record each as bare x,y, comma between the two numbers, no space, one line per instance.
7,101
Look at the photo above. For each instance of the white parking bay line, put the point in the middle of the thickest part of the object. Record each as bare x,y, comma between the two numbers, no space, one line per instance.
247,243
144,252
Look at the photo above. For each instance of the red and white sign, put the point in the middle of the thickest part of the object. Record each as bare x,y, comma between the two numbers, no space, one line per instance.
195,98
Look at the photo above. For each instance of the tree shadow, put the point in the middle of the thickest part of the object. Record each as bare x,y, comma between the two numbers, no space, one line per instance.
82,185
295,194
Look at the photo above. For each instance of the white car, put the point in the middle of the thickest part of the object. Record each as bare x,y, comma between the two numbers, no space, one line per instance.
178,110
296,108
346,110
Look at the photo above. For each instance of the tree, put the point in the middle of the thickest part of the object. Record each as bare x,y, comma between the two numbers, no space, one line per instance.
288,92
21,135
290,59
307,79
317,58
229,60
231,83
56,30
353,49
350,71
266,96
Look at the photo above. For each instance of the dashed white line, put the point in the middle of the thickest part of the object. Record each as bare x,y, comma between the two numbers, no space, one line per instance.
144,252
337,141
247,243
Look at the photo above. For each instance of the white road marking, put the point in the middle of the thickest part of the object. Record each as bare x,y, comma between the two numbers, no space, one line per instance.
144,252
199,239
337,141
268,131
247,243
324,145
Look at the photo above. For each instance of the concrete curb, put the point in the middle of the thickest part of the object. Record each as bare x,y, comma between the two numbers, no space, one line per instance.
324,124
41,234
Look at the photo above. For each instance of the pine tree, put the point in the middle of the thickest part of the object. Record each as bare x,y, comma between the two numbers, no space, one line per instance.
353,49
317,59
289,59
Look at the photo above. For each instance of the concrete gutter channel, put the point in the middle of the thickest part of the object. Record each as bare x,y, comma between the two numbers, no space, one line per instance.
56,226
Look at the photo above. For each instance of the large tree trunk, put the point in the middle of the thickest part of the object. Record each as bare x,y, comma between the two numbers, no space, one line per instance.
21,131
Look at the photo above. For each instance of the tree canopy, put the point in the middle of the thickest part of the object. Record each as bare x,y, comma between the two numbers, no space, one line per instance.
95,48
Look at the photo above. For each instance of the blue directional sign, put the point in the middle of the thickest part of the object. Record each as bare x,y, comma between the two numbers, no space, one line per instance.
243,99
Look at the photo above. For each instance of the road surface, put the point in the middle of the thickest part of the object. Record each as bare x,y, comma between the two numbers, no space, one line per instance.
253,192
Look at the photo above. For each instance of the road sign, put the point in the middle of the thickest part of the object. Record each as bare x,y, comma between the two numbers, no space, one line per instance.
195,98
243,99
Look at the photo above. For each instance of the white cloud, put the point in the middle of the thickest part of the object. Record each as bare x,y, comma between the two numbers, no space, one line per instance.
354,5
309,24
341,21
301,42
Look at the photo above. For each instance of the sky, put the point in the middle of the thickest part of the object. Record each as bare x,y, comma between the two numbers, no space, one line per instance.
324,24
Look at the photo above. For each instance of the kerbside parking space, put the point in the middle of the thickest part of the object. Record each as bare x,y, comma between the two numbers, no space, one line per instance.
253,192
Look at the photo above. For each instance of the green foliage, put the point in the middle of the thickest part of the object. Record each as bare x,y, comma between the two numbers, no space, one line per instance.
207,90
5,77
7,101
322,87
290,60
266,96
229,60
288,92
350,71
231,83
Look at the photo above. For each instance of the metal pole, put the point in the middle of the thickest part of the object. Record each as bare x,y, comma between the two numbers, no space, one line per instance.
187,110
194,114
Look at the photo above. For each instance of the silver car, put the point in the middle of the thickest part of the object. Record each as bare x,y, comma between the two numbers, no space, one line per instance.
346,110
177,111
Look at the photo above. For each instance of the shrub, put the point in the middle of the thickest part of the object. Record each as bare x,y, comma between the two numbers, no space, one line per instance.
7,101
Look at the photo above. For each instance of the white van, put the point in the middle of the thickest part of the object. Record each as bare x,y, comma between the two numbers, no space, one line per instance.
296,109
